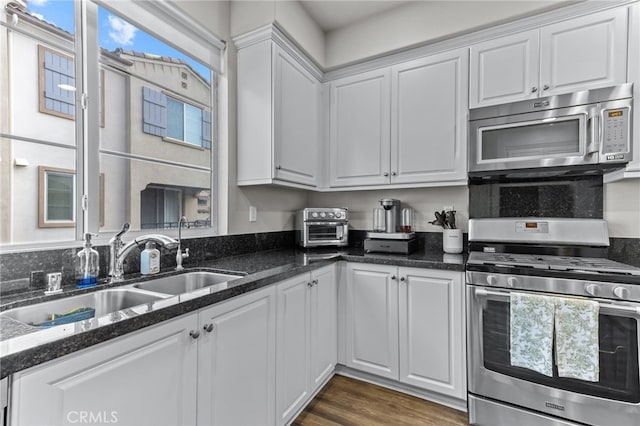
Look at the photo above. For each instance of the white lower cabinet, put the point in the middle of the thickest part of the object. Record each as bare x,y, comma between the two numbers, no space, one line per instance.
432,336
306,338
236,360
406,324
212,367
146,378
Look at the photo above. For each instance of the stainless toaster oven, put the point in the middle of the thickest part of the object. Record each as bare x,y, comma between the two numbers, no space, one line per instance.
322,227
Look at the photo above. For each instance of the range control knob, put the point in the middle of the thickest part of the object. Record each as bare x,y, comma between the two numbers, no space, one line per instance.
338,215
621,292
323,214
314,214
592,289
492,280
512,281
330,214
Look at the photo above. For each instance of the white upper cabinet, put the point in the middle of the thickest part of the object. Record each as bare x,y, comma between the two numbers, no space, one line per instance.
279,113
359,129
429,119
577,54
404,124
584,53
504,70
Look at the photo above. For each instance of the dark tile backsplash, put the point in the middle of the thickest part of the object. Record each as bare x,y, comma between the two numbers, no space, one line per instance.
26,271
578,197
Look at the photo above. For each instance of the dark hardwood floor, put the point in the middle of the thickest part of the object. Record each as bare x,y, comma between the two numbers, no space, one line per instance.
346,401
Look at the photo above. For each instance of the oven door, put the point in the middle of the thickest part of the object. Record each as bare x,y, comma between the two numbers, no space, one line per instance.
318,234
558,137
614,400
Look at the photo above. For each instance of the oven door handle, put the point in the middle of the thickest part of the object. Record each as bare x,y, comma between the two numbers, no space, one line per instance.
325,223
607,308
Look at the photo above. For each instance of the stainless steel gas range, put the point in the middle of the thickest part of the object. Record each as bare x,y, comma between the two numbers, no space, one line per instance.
529,369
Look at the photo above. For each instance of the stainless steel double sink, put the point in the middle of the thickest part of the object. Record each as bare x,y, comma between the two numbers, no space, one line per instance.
116,299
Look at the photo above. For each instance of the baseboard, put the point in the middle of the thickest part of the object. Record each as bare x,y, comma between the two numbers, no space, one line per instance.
313,395
455,403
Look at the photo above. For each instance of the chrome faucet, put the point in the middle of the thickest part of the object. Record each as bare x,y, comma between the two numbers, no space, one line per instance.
180,255
118,250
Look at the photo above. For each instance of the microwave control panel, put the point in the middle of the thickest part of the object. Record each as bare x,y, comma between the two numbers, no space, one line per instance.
615,132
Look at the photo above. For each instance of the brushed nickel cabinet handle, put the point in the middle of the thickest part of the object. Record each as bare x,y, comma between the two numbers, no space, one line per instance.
194,334
534,89
385,174
208,328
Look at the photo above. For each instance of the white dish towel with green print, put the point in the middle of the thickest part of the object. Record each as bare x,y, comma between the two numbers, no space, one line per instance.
577,347
532,323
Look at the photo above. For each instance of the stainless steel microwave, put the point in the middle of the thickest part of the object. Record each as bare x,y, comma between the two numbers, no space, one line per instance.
591,127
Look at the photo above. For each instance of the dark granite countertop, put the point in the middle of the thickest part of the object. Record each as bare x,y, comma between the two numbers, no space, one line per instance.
23,346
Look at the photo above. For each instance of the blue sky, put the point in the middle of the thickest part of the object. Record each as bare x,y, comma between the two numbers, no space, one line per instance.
113,31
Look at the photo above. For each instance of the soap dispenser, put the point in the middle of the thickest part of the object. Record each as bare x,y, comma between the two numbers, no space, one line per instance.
150,259
87,264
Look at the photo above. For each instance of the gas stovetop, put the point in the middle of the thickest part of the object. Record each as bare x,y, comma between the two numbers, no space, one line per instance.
589,265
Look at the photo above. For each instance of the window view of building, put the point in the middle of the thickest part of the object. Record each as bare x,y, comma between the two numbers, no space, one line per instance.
154,128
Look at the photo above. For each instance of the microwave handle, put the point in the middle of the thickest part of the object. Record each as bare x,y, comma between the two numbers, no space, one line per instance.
594,133
632,311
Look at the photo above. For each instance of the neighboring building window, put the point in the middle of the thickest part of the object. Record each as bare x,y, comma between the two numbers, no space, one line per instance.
160,208
57,83
56,197
168,117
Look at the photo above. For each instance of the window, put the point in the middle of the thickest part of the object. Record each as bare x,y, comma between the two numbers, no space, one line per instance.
106,154
56,195
57,83
168,117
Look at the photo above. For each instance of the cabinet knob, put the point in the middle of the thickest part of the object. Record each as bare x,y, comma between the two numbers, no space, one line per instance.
401,278
208,328
545,87
315,282
393,277
393,173
194,334
385,174
278,167
309,284
534,89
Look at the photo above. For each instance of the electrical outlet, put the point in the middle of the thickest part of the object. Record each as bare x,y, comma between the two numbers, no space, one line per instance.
253,214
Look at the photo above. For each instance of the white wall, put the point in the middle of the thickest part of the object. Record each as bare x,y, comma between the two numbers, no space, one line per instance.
622,208
418,22
424,201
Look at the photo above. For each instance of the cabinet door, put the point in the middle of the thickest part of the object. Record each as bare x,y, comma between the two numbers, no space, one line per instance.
359,141
296,120
292,348
584,53
145,378
372,319
324,332
429,119
432,346
504,70
236,361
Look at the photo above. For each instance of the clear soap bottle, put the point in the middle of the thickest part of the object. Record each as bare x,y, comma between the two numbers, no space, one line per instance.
87,264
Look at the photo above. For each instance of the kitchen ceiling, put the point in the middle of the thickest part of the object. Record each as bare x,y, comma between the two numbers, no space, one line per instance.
334,14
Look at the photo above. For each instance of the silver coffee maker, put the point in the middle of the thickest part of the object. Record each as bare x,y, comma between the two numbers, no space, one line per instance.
392,214
391,240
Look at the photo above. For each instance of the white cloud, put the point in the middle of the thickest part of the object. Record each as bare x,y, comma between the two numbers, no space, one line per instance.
121,31
40,16
38,2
